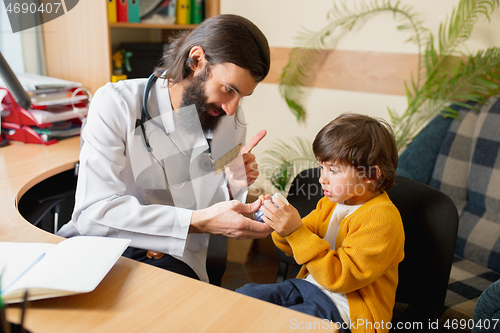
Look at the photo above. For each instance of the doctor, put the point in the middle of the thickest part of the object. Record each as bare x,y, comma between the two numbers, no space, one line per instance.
164,162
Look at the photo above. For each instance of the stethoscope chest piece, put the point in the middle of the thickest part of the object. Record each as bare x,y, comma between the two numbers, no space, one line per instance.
206,163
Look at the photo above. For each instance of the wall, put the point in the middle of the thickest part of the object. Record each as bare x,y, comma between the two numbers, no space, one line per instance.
378,38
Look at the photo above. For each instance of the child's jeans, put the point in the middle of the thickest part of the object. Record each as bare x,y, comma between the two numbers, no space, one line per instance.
299,295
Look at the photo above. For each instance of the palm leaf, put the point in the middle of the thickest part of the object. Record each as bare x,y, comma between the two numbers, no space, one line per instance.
303,57
462,20
474,80
446,74
447,80
284,161
452,35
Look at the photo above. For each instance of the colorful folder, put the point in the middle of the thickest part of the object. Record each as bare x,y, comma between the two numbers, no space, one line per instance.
183,12
112,11
172,5
196,11
133,11
122,10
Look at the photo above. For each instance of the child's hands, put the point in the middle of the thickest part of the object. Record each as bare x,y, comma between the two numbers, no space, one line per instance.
285,219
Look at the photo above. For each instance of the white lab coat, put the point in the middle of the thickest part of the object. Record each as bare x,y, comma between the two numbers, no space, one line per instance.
121,188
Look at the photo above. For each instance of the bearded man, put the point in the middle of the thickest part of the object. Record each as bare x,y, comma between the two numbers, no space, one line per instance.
163,160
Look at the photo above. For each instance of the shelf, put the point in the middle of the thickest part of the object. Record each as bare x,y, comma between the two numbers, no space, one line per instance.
63,50
152,26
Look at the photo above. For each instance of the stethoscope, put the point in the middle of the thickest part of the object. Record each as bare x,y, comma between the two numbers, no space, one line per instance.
205,161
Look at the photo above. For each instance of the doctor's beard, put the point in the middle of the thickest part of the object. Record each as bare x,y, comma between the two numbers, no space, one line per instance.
195,94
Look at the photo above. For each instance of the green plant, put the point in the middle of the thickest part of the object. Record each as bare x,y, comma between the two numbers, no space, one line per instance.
446,72
285,160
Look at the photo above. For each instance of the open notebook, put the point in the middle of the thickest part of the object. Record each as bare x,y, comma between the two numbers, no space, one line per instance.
75,265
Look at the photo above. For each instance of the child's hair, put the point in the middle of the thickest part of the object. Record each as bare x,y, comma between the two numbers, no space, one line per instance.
363,142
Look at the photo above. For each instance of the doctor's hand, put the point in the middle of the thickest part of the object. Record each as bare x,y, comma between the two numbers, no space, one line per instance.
224,218
244,171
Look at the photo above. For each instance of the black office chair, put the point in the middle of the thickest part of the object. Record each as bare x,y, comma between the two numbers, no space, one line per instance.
49,204
430,220
216,259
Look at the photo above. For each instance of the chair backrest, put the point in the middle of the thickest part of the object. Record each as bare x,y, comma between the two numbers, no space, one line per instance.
430,220
305,191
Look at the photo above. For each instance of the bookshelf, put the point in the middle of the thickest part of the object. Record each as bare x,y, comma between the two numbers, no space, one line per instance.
79,44
151,26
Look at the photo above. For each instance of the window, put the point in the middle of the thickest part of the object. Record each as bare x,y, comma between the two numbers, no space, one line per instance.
22,50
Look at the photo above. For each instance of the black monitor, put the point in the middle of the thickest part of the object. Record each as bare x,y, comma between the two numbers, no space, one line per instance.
16,89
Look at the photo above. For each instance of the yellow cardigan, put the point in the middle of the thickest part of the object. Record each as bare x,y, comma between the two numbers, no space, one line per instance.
364,264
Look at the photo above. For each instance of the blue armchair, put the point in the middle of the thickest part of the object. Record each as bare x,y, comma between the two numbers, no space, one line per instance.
462,159
487,310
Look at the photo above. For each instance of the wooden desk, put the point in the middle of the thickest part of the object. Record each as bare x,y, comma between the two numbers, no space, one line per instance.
133,297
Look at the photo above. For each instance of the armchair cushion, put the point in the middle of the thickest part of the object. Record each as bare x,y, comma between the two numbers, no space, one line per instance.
468,170
487,310
451,169
467,281
417,160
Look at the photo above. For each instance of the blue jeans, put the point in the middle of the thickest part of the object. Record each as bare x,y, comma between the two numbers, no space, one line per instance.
296,294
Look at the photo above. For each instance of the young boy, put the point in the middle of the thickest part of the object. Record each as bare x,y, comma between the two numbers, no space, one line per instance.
351,244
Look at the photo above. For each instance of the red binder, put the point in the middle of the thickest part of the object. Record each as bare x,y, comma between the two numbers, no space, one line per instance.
122,10
17,115
24,134
17,122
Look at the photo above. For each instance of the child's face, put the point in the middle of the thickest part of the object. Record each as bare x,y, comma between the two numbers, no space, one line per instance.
344,184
